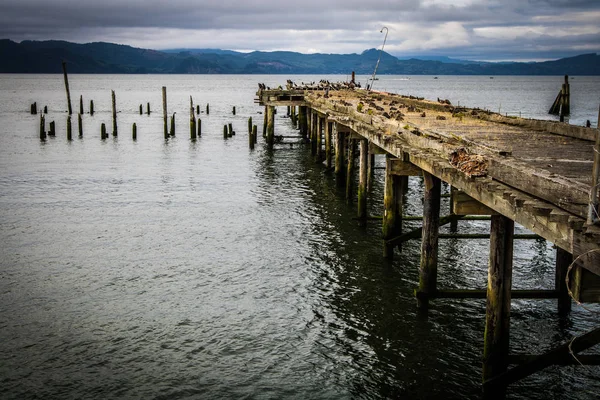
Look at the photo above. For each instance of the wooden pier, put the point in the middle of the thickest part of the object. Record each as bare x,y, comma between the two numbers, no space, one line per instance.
542,175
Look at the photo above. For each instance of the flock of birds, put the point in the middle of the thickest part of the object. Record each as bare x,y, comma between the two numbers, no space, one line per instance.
321,85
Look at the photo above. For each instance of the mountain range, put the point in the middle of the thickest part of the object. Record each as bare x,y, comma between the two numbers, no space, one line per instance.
100,57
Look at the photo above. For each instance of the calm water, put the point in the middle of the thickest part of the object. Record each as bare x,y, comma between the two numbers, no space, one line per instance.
179,269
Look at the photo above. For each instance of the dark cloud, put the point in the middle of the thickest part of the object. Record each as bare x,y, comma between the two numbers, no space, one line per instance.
486,29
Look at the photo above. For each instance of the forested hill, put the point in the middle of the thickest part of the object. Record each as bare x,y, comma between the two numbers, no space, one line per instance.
47,57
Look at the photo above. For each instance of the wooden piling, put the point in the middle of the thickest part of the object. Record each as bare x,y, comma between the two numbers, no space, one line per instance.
148,108
225,131
52,131
295,111
339,171
362,182
233,111
392,208
103,134
91,107
566,97
230,130
80,125
172,131
45,109
164,99
64,67
251,139
370,172
497,321
314,142
350,170
454,223
254,135
114,112
563,261
141,110
328,137
249,125
265,120
134,131
69,129
594,207
42,127
207,109
33,108
80,104
199,125
192,120
309,126
319,152
198,109
271,126
193,133
302,121
429,242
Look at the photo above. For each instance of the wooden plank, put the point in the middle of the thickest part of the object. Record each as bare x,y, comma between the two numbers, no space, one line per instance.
404,168
417,233
581,359
376,149
482,293
569,195
552,357
463,204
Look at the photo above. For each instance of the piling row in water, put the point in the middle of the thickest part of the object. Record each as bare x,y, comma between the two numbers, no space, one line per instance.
195,124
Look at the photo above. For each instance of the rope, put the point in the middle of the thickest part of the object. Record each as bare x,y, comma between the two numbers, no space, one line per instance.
579,304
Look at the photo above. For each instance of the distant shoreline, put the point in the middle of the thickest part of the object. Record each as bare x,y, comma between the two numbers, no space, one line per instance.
108,58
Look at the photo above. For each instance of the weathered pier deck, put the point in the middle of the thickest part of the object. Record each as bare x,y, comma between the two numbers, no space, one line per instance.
539,174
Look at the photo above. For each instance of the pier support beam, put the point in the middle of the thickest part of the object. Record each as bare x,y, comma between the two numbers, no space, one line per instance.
302,122
362,182
314,131
497,315
429,243
265,121
270,126
370,171
563,261
340,139
328,139
350,170
392,208
319,152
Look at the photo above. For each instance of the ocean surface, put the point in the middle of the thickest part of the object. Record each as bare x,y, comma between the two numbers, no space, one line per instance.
179,269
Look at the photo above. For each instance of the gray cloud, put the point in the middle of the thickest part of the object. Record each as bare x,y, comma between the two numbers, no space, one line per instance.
476,29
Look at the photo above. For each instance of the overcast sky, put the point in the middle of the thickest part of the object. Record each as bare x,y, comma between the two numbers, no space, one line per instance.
520,30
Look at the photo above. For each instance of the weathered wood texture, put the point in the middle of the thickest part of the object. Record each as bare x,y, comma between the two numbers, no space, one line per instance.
537,173
362,181
164,101
64,67
392,208
497,322
429,242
